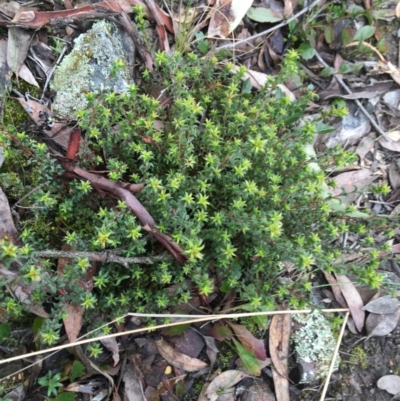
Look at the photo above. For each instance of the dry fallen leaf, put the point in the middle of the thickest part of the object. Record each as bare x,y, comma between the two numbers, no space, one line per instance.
391,141
259,391
73,321
25,74
394,175
7,227
381,325
279,335
336,290
226,16
224,383
112,345
17,47
366,145
133,387
178,359
383,305
353,299
389,383
352,183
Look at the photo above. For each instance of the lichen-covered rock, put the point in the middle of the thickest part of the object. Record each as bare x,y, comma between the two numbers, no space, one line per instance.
315,345
87,68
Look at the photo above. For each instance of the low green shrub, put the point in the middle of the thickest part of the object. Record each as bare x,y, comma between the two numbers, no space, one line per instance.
226,175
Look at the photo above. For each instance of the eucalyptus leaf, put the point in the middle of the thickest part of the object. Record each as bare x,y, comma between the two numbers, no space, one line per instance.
261,14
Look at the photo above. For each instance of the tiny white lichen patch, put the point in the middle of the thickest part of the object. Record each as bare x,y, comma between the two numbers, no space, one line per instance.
87,69
314,343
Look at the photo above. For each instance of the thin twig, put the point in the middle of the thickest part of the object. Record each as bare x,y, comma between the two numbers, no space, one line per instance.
26,195
282,24
335,354
348,90
105,257
199,318
51,72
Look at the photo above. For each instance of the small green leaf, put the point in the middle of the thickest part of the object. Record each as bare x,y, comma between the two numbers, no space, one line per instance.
347,36
306,50
246,88
225,287
297,113
322,128
261,14
355,10
329,35
261,321
327,72
65,396
223,54
347,68
180,389
77,371
176,330
4,331
248,358
364,33
37,326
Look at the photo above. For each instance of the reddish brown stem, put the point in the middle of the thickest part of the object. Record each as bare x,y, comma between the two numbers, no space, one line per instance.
73,144
104,184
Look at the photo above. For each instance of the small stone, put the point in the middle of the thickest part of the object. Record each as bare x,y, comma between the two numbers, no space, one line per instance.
88,69
69,31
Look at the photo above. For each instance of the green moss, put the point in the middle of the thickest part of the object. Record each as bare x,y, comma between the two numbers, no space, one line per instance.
360,357
14,113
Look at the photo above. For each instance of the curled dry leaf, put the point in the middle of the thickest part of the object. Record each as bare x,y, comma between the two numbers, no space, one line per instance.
381,325
279,335
352,182
25,74
226,16
7,227
394,175
383,305
178,359
391,141
92,387
223,383
353,299
389,383
17,47
112,345
366,145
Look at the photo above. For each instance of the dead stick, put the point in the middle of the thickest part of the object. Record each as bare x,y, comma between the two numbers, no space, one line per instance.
73,144
348,90
106,257
99,182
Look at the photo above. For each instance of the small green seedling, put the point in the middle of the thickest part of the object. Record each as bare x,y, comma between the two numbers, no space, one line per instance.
51,382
